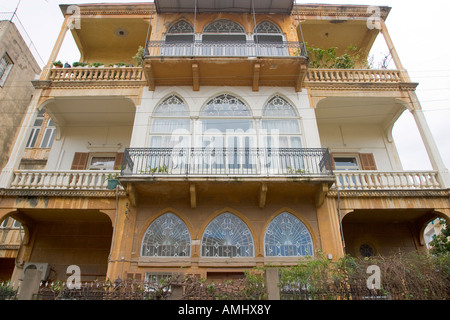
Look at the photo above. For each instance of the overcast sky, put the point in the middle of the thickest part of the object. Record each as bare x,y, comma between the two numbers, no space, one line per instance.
419,30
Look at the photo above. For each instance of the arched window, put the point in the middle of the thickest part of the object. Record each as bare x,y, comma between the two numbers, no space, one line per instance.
282,137
223,38
169,117
227,236
167,236
179,39
227,128
280,121
269,37
287,236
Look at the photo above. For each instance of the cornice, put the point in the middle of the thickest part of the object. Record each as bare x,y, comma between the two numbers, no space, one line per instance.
144,9
397,86
333,193
61,193
341,11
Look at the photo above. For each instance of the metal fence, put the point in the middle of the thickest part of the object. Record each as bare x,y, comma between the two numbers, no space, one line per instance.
226,162
224,49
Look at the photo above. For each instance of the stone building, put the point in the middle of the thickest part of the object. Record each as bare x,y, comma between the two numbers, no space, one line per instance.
231,149
17,68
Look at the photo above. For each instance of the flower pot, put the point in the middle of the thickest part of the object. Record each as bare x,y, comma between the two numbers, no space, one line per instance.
112,183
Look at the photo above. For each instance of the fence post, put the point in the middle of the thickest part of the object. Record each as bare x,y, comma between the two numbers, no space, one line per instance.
271,282
30,286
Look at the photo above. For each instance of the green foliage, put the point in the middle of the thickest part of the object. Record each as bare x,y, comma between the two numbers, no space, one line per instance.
329,59
7,292
440,244
139,56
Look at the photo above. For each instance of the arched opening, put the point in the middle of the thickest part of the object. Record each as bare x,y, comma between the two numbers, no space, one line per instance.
227,236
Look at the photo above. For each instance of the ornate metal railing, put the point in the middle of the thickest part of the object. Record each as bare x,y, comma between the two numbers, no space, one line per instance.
226,162
225,49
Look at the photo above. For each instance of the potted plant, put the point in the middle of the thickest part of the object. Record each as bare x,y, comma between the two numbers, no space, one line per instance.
58,64
98,65
121,64
79,64
113,182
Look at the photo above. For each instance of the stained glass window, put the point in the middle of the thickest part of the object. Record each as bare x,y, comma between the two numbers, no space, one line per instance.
227,236
287,236
167,236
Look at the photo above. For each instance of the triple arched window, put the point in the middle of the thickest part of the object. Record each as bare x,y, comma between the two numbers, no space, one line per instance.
224,37
227,236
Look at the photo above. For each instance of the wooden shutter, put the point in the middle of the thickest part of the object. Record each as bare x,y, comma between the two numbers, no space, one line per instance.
367,161
118,162
80,161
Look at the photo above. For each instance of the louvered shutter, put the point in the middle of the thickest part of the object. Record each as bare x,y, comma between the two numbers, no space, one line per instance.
80,161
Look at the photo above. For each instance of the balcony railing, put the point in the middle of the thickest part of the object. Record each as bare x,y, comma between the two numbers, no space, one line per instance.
353,75
383,180
209,162
224,49
69,180
96,74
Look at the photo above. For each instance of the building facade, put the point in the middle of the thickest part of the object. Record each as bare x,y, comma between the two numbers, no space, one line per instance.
17,68
231,150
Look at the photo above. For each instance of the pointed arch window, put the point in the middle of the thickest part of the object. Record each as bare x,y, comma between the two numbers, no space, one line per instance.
167,236
179,39
227,236
281,124
287,236
224,38
270,39
170,116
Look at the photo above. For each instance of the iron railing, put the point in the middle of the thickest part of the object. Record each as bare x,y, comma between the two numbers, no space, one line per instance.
226,162
225,49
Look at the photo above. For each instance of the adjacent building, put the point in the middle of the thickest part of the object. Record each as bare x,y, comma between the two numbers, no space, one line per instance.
17,68
232,150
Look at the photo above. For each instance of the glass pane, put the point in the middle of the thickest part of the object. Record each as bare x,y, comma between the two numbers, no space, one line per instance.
227,236
167,236
287,236
47,140
283,126
171,125
279,107
222,125
345,162
102,162
226,105
33,137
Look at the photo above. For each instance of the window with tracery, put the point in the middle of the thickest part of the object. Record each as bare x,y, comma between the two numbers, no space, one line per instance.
280,123
227,236
179,40
269,37
223,26
171,124
167,236
224,38
287,236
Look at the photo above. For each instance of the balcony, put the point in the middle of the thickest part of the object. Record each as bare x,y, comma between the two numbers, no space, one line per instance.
92,76
241,63
226,162
61,180
387,180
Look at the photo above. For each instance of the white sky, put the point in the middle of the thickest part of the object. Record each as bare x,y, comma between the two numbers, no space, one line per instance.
418,29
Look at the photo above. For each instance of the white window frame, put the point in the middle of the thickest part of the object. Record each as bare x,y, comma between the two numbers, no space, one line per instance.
100,155
347,168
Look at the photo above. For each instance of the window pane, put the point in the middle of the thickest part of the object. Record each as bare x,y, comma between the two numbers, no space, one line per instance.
283,126
102,162
287,236
167,236
172,106
223,125
33,137
227,236
170,125
345,162
225,105
47,140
